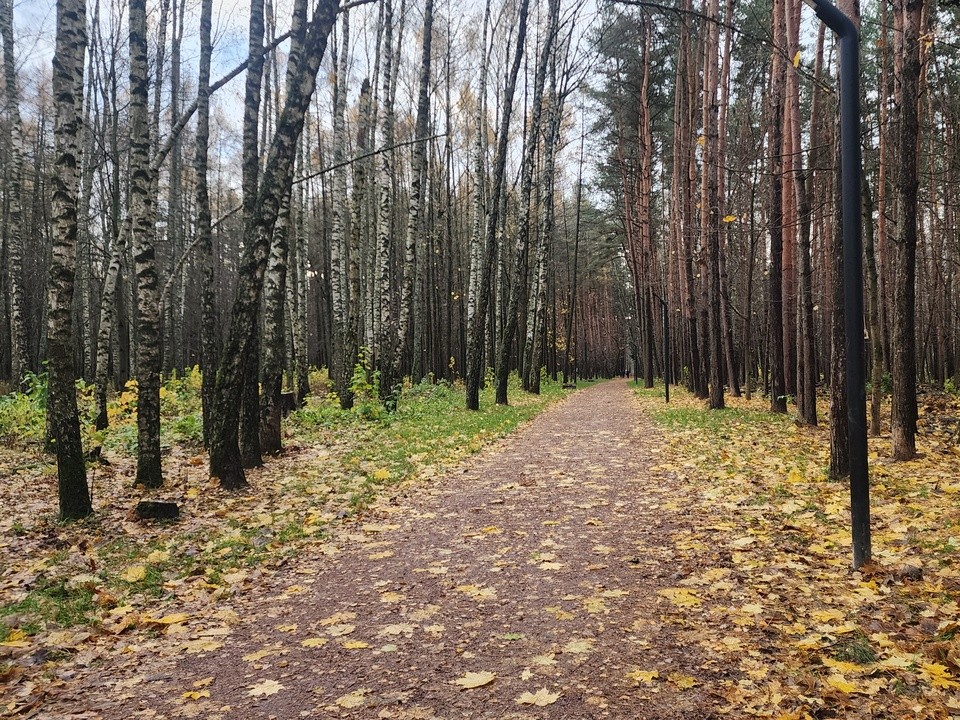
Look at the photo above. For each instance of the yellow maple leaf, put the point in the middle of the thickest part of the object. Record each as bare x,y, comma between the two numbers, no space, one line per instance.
354,644
684,682
475,679
134,573
352,699
897,661
827,615
477,592
643,676
196,694
541,698
171,619
158,556
263,653
594,605
796,59
292,627
840,683
729,218
265,687
201,645
314,642
336,618
938,675
840,666
545,660
340,630
680,596
578,647
381,474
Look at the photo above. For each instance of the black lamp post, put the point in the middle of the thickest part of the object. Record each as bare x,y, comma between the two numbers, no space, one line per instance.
850,169
666,351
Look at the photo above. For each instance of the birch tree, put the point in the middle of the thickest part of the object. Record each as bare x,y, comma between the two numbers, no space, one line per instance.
19,355
68,69
225,460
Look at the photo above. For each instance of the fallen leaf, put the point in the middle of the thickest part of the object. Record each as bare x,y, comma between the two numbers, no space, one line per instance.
339,630
643,676
398,629
336,618
314,642
201,645
265,687
578,646
134,573
158,556
475,679
840,683
684,682
478,593
545,660
263,653
196,694
352,699
541,698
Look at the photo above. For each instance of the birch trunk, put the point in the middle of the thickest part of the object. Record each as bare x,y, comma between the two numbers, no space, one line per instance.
418,165
142,213
277,177
68,68
209,347
478,330
19,353
522,248
250,450
342,366
275,283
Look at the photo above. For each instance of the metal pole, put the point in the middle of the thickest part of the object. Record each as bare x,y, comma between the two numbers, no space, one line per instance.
850,170
666,352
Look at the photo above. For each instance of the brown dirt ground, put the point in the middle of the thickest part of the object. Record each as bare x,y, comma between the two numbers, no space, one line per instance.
540,560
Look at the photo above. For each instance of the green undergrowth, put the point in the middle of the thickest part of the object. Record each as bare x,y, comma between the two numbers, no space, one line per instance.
339,464
429,428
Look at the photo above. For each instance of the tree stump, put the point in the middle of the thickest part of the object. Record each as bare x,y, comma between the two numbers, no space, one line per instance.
156,510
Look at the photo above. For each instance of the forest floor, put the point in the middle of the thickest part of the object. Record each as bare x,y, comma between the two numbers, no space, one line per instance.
614,558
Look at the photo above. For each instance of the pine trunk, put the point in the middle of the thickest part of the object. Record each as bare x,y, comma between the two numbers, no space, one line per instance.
903,416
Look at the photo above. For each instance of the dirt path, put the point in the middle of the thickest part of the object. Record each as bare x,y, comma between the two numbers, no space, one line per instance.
541,561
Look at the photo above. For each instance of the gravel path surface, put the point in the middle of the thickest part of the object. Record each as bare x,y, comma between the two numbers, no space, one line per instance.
543,562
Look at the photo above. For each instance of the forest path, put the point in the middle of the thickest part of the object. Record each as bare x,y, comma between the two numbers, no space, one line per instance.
540,560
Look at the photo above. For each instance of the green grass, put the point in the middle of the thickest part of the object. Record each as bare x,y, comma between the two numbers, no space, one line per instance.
713,421
366,450
856,649
429,427
51,601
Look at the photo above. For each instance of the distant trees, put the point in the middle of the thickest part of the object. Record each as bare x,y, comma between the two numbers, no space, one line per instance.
425,213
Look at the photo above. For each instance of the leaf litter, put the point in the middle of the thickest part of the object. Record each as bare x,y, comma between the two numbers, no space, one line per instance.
703,573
